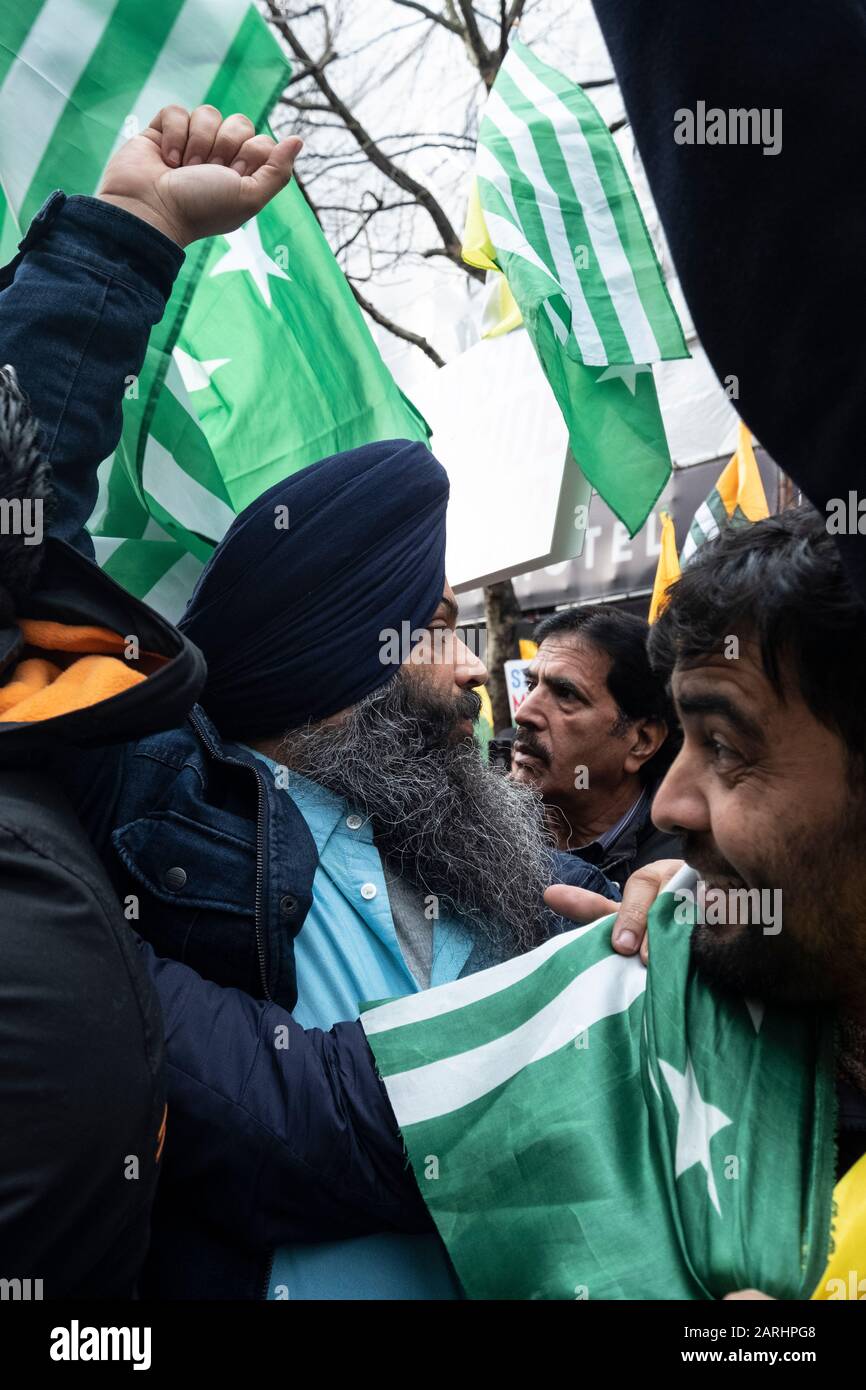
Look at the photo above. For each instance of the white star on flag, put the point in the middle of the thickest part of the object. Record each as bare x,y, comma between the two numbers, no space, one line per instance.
698,1122
194,374
627,374
247,253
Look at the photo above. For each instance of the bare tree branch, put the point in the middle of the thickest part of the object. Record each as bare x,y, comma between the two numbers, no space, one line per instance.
365,216
367,144
416,339
429,14
514,14
485,61
405,333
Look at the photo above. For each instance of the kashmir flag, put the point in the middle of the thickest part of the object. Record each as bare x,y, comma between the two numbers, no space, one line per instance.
262,363
554,211
737,497
581,1127
667,569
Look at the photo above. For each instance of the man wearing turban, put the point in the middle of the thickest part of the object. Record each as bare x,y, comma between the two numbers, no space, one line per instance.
321,830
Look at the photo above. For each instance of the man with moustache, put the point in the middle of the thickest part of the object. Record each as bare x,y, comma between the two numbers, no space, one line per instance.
596,735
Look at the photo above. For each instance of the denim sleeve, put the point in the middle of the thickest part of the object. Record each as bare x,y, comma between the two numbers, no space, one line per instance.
77,305
276,1133
571,869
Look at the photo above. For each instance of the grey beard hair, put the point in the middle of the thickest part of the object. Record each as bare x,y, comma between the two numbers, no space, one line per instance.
455,827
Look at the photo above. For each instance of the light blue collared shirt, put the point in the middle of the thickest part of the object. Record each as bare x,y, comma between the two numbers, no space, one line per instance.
346,954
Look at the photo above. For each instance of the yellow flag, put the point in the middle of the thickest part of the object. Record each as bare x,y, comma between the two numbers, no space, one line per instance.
668,568
478,249
740,485
486,706
500,313
528,649
845,1275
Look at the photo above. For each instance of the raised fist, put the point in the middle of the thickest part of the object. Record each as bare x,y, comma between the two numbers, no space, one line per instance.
194,174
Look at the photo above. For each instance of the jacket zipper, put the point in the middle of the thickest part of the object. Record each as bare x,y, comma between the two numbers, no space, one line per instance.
261,793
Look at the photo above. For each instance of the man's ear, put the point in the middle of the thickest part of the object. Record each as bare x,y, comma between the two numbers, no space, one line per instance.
645,740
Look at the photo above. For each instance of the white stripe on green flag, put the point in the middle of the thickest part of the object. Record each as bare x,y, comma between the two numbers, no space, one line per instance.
568,234
549,167
582,1128
302,377
709,519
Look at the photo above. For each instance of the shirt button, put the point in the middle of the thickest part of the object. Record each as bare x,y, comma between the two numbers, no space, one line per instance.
174,879
368,890
288,904
354,822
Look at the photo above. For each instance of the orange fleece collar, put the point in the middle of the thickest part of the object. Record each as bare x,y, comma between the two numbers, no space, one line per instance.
43,687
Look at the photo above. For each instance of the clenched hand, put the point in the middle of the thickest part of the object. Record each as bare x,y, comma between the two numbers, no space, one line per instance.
193,174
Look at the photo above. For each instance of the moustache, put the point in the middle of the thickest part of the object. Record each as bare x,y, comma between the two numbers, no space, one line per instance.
531,745
467,706
702,855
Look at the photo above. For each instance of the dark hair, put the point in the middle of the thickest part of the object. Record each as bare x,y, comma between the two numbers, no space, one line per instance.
24,473
779,581
639,693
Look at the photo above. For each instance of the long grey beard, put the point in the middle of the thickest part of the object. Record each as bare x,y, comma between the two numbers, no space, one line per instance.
456,828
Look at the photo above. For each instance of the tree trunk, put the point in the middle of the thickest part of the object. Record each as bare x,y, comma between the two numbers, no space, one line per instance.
503,613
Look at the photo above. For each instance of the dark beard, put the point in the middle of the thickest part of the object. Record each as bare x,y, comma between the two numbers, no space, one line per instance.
819,956
454,827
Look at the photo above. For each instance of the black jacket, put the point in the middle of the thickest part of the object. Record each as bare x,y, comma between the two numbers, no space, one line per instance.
82,1092
82,1085
638,844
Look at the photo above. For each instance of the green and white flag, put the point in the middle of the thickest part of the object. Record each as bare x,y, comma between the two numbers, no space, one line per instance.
554,210
581,1127
736,499
262,363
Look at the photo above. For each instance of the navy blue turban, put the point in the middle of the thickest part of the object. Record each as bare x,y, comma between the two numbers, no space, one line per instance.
291,607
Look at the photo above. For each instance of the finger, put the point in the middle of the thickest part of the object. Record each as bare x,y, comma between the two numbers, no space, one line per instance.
253,154
578,904
638,896
644,949
233,132
204,123
260,187
173,124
